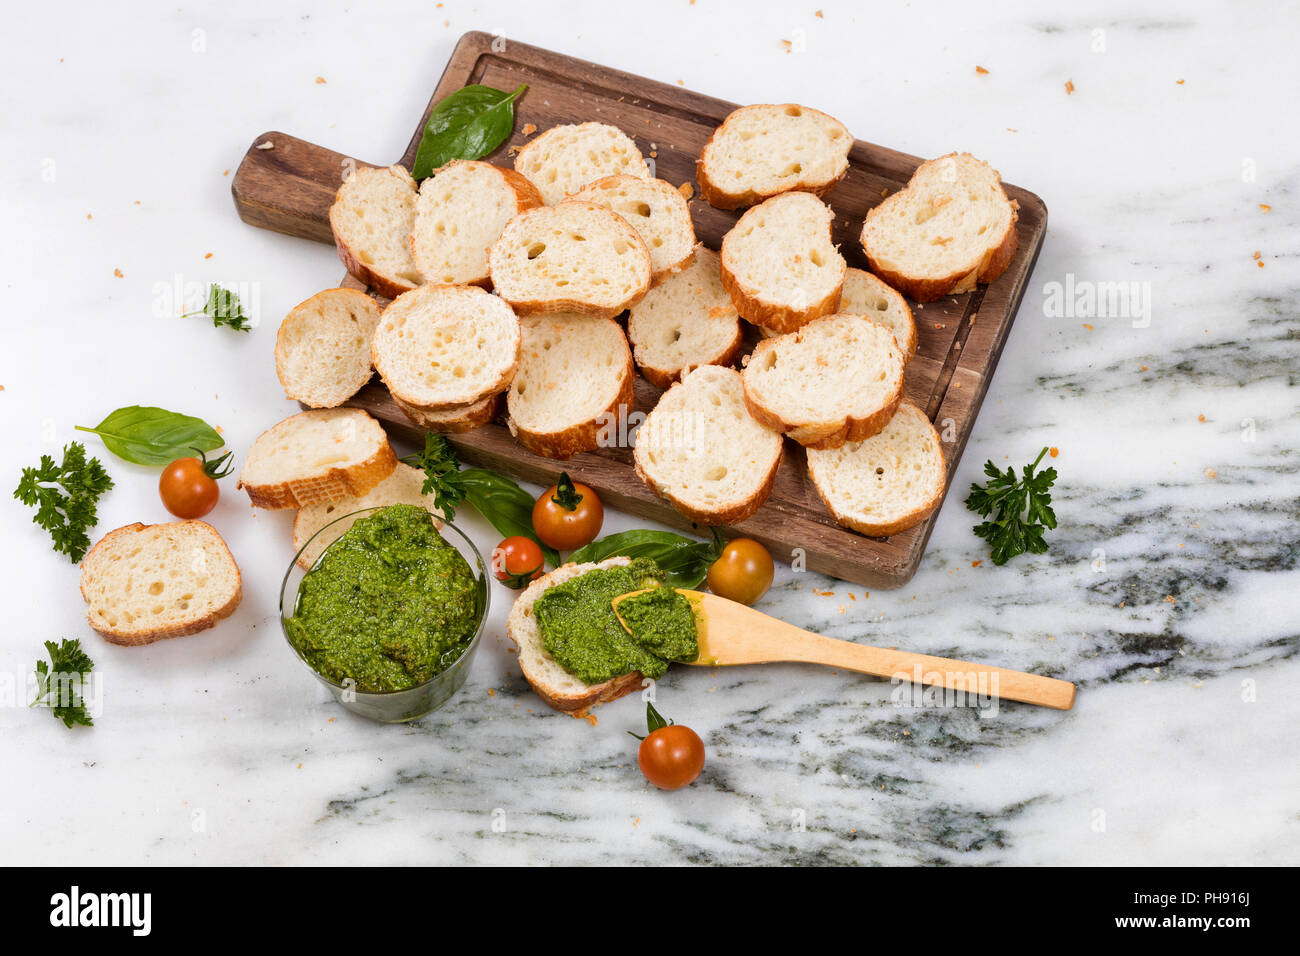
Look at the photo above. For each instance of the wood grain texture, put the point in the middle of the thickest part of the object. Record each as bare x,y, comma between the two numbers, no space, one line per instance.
289,189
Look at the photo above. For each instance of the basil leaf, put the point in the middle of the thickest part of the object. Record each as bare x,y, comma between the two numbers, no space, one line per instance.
154,436
685,561
467,124
505,505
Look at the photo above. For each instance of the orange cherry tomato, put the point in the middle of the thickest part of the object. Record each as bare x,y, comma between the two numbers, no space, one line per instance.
743,572
568,515
188,486
671,757
516,561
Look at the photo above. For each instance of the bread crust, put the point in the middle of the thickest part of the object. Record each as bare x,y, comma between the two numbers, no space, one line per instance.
575,704
884,529
363,301
471,417
733,515
666,378
389,288
584,436
526,197
539,306
778,318
351,480
150,635
824,436
719,197
922,289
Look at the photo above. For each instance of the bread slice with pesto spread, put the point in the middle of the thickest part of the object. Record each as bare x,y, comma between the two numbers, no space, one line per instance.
556,686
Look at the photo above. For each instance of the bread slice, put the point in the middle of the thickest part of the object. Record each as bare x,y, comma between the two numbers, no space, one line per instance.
562,160
779,264
320,455
445,346
762,151
147,582
371,218
460,212
552,683
574,381
837,379
322,351
685,322
454,421
702,451
402,487
887,483
574,257
950,228
656,210
869,297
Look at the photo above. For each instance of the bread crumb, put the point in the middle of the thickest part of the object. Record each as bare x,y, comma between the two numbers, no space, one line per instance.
976,564
1169,599
1265,207
492,691
1211,473
1087,326
1180,82
591,719
981,71
529,129
118,273
320,80
1200,418
1143,369
823,593
226,173
1054,451
208,256
788,45
266,145
687,190
1069,87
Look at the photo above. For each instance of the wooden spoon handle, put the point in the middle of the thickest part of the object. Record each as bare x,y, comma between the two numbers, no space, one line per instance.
288,187
980,680
743,635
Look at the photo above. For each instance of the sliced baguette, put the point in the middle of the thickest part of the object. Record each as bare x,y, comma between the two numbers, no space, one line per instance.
837,379
575,381
702,451
887,483
562,160
574,257
779,264
371,218
453,421
147,582
552,683
761,151
441,347
950,228
461,211
686,321
402,487
869,297
656,210
320,455
322,350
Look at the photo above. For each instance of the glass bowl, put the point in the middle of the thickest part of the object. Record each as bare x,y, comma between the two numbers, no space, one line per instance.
398,706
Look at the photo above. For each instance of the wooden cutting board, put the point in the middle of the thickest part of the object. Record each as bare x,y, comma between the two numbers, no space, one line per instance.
289,186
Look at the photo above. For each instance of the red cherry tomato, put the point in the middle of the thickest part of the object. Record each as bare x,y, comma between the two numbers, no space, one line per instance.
568,515
188,486
671,757
516,561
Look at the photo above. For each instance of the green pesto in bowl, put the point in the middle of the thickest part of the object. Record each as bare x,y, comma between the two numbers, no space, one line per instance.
581,632
389,605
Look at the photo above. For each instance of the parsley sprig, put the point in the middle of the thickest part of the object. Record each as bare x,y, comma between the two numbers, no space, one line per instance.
59,683
223,308
65,496
1021,509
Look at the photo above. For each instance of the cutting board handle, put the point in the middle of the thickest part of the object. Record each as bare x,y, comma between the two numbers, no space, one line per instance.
288,186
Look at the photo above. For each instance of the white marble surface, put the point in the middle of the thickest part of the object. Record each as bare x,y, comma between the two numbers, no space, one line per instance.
219,748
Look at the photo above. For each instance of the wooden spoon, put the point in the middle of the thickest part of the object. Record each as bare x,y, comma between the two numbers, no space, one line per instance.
731,633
